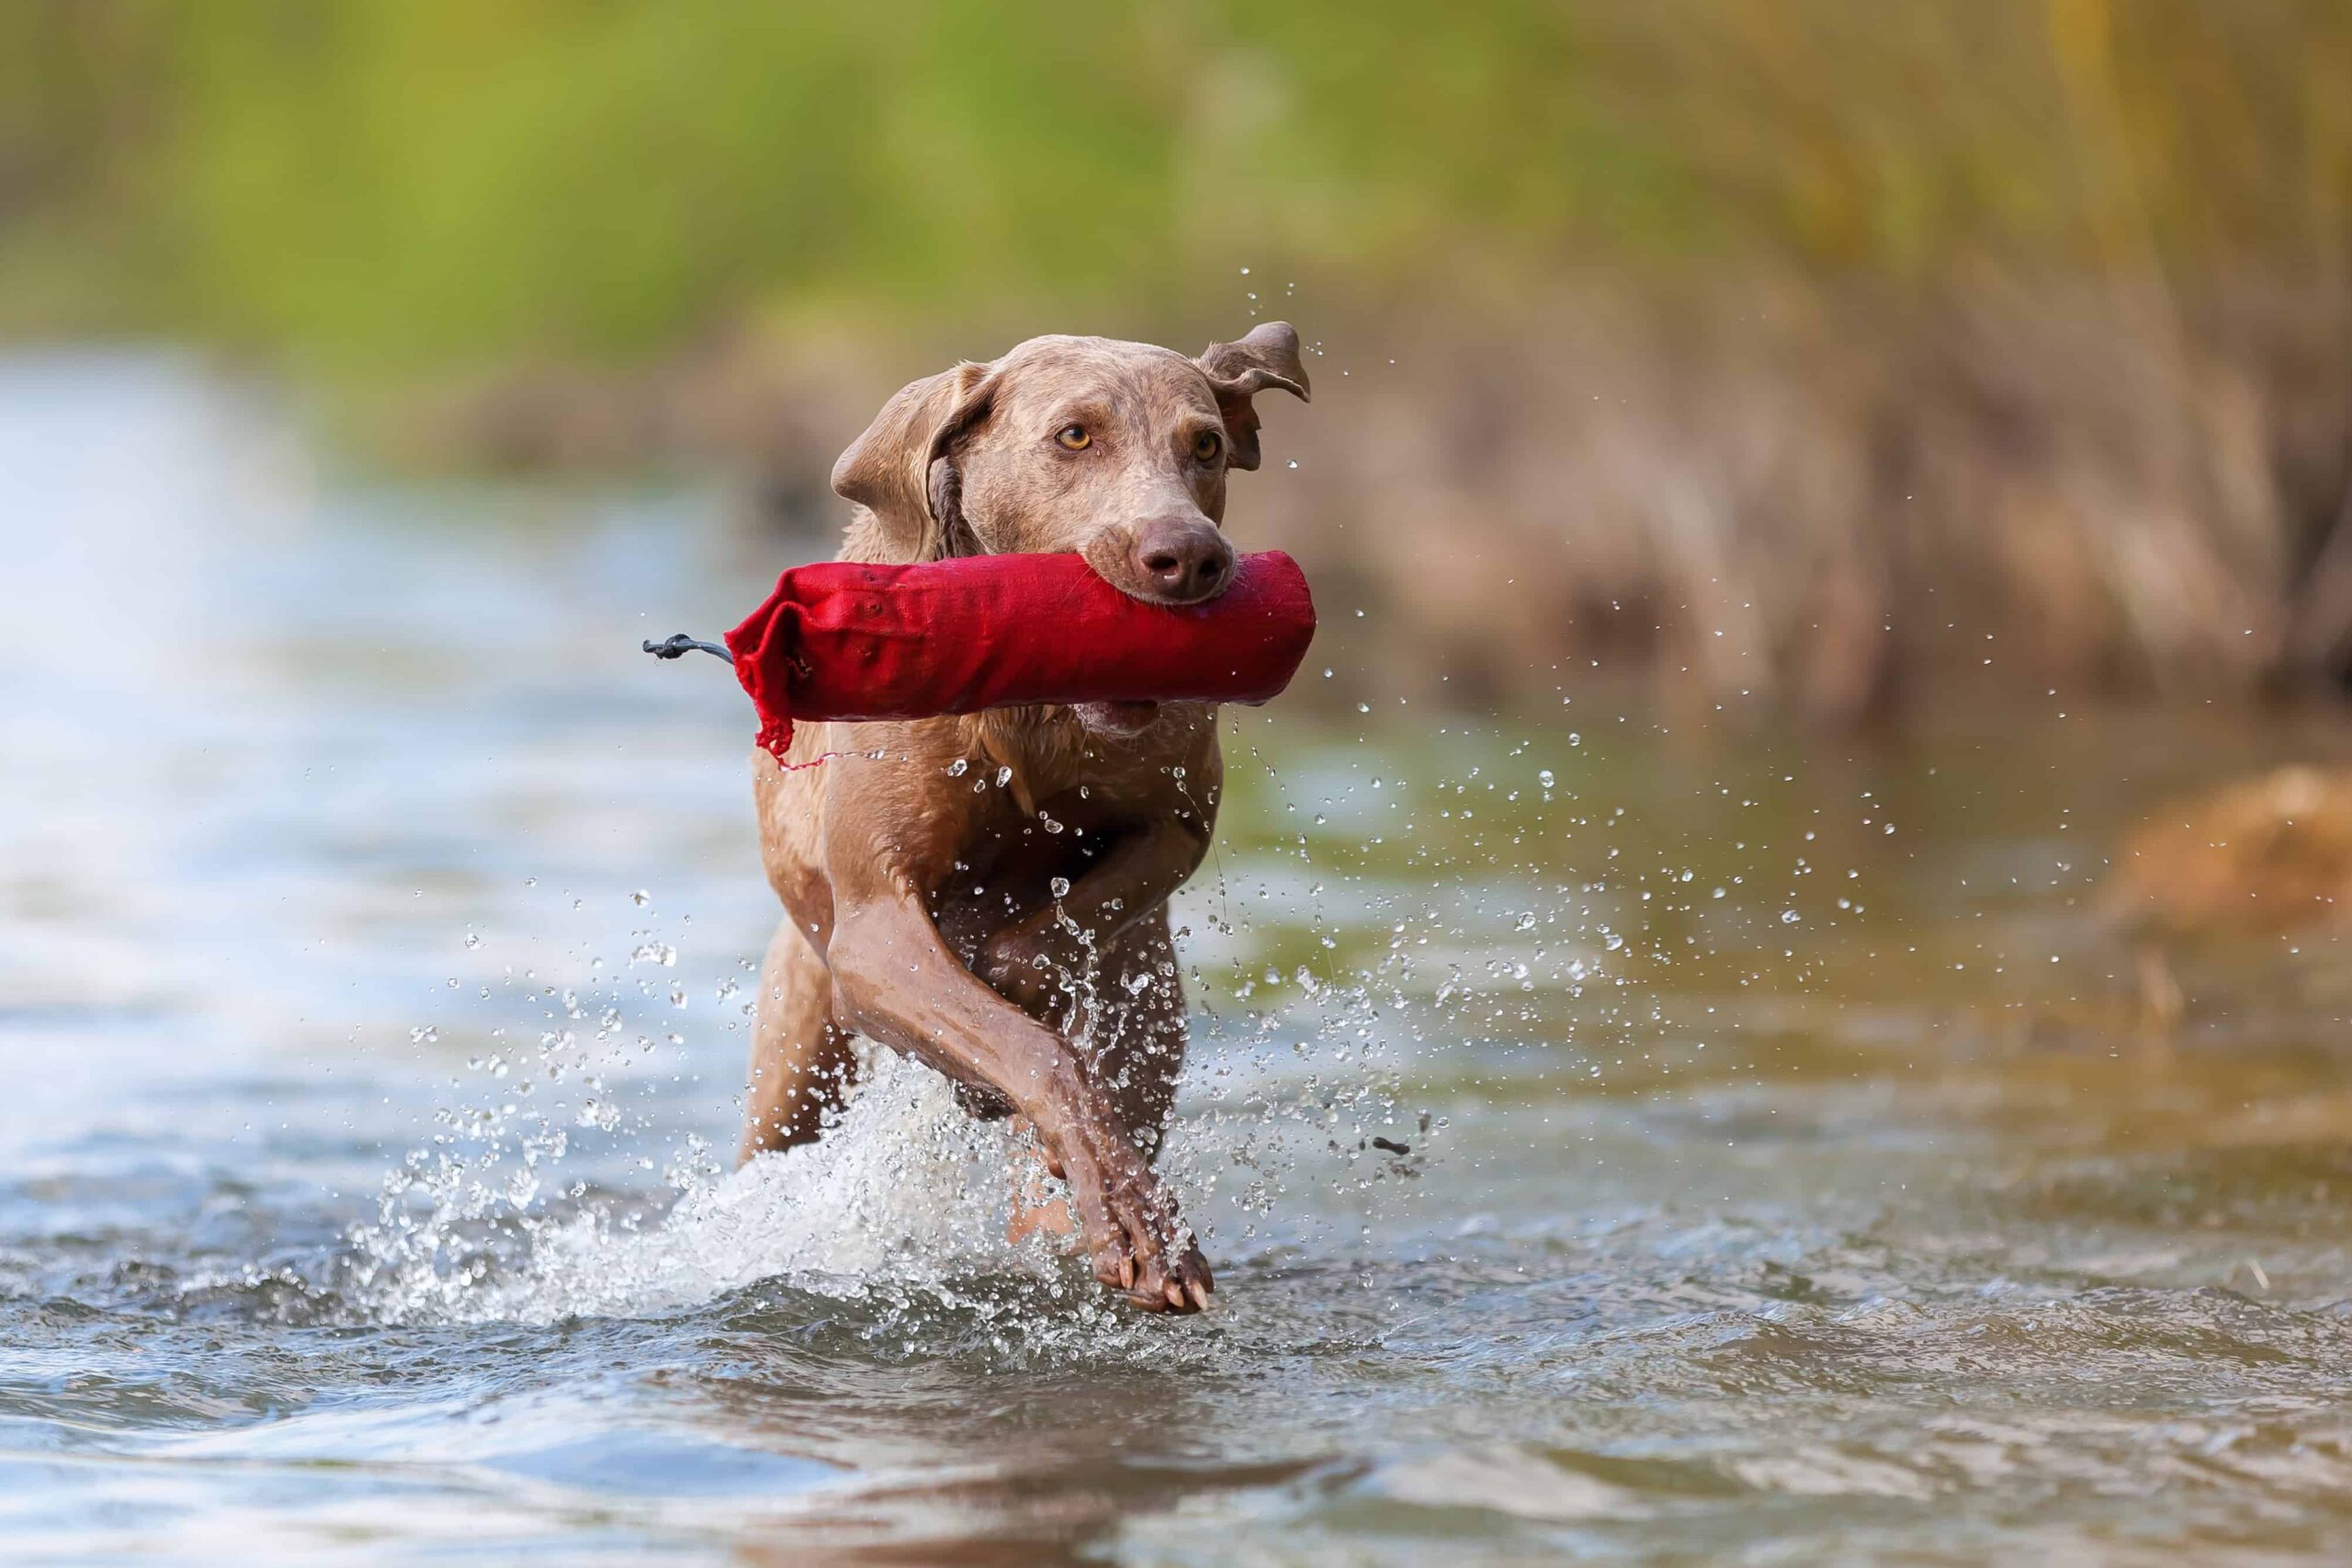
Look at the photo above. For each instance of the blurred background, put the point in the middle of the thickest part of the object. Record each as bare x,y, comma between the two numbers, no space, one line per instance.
1815,833
1774,352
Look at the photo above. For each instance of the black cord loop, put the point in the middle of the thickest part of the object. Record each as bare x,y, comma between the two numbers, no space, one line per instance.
676,646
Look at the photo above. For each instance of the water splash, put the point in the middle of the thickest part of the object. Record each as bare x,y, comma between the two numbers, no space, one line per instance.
905,1190
552,1198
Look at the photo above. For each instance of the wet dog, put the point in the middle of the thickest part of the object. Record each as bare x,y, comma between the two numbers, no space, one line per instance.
988,892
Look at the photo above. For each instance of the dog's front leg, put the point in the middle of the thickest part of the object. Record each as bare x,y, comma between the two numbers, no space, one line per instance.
895,981
1029,959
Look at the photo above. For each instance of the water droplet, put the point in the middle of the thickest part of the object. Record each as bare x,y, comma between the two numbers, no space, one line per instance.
640,897
955,769
1004,777
1544,778
1059,887
1789,917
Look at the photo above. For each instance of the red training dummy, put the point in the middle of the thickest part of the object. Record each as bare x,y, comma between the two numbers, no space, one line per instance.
849,640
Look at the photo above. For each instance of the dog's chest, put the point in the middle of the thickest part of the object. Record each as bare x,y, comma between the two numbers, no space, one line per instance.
1013,858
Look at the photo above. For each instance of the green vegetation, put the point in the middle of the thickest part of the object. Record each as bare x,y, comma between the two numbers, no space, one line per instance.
392,183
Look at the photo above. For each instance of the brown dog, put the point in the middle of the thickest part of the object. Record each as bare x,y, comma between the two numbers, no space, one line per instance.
989,894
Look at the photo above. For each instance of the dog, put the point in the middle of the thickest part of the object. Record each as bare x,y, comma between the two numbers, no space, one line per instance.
988,892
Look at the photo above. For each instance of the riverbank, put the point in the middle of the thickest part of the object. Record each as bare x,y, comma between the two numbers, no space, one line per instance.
1763,495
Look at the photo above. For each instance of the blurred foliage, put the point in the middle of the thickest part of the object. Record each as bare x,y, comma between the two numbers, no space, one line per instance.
401,182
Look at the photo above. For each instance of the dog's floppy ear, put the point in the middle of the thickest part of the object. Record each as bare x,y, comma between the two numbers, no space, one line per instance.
900,469
1238,371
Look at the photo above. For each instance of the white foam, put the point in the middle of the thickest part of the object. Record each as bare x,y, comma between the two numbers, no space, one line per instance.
904,1190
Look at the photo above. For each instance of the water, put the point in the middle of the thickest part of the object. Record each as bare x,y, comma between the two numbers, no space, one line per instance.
373,932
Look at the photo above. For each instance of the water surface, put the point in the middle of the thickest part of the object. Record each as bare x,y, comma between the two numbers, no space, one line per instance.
1790,1176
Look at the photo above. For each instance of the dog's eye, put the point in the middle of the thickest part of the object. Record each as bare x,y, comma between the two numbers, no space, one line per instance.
1206,445
1074,438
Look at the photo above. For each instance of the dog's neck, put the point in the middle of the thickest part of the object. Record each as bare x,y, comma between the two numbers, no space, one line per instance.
1042,749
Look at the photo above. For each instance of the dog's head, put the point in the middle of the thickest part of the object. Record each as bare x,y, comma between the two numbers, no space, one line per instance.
1116,450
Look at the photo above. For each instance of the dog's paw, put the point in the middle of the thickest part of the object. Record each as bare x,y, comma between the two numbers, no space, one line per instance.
1154,1263
1137,1242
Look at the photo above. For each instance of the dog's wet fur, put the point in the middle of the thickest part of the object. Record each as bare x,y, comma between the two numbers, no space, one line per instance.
919,894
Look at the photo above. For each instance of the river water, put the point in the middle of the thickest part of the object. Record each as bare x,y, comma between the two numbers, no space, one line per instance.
1791,1174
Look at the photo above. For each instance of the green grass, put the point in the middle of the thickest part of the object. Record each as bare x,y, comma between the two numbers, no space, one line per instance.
398,183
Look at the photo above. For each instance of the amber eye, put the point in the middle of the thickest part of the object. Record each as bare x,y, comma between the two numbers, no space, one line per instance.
1206,445
1074,438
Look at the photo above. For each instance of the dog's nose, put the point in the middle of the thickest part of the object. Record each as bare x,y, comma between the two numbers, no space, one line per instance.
1183,559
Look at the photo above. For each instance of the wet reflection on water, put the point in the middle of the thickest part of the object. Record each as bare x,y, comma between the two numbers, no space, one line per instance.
1793,1167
